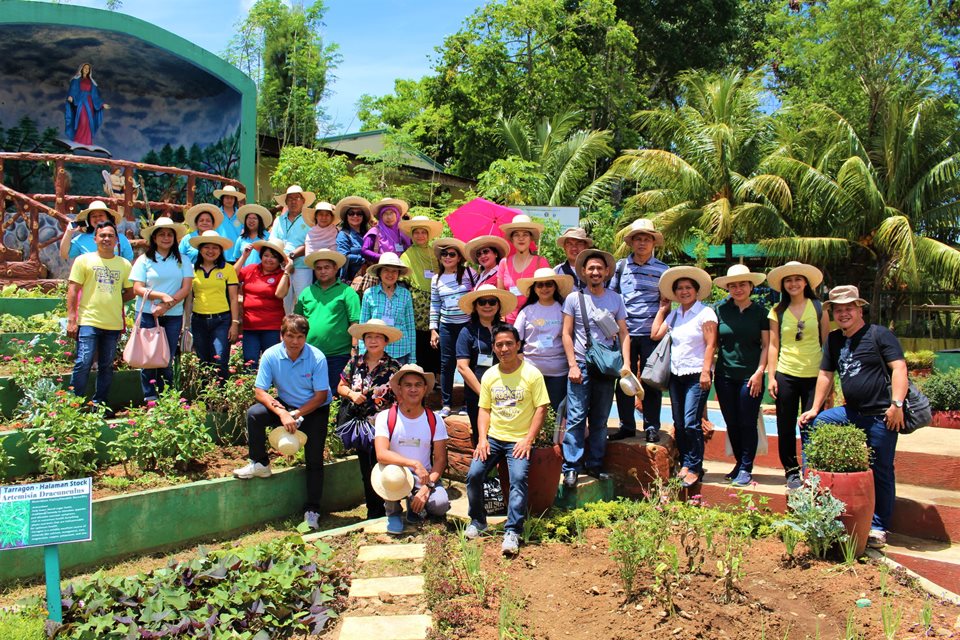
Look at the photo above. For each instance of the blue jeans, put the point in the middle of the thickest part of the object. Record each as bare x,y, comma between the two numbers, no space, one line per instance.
556,391
449,332
210,340
640,349
517,501
740,411
103,342
883,447
688,401
255,342
161,377
588,403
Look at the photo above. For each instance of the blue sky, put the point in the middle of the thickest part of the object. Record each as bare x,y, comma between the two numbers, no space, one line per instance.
380,40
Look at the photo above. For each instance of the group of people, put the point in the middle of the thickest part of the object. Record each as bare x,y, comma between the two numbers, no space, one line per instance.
372,310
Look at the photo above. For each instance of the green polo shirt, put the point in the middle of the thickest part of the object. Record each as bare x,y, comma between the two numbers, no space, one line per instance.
330,312
740,339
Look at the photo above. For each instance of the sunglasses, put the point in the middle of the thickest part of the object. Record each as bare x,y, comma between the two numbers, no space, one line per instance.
355,212
544,285
487,302
801,325
449,254
485,251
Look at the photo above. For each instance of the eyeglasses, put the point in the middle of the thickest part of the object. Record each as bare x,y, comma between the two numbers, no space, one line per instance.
544,285
487,302
449,254
801,325
355,212
485,251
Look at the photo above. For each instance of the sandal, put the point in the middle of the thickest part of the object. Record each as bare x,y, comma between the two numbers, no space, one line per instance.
690,479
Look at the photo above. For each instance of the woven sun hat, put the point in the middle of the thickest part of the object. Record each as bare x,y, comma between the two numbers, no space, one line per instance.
389,259
563,282
739,273
400,205
645,226
446,243
586,254
793,268
375,325
276,245
352,202
287,443
391,481
263,212
434,227
211,237
508,301
229,190
326,254
486,241
163,222
522,222
98,205
845,294
310,214
308,196
415,369
673,274
630,385
190,217
574,233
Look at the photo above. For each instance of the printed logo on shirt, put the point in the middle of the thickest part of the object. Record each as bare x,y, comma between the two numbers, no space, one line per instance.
506,400
271,280
846,365
220,275
106,278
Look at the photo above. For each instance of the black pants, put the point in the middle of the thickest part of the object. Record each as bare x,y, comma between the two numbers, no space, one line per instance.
640,349
368,460
793,396
427,356
314,425
472,402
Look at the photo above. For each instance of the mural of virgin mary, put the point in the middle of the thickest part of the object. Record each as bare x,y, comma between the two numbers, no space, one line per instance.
83,111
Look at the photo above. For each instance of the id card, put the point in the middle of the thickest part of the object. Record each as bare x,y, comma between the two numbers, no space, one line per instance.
485,360
409,442
515,290
388,320
428,274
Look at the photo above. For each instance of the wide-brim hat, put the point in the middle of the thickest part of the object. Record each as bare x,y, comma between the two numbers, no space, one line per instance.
278,433
522,222
164,222
211,237
739,273
631,386
480,242
190,217
446,243
308,196
574,233
586,254
277,246
793,268
434,227
563,282
645,226
229,190
326,254
261,211
407,369
388,259
352,202
845,294
401,206
696,274
310,214
508,301
391,481
375,325
97,205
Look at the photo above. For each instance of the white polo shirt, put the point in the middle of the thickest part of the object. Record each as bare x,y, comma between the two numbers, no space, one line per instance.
689,347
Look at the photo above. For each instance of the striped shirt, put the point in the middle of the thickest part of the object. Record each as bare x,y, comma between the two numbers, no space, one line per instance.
566,269
639,286
395,310
445,294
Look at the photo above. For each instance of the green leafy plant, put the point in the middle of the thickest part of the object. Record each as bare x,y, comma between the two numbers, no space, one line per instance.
24,624
791,538
925,617
14,524
813,513
890,618
730,567
65,435
471,556
837,448
6,461
48,322
943,390
922,359
848,549
13,291
509,625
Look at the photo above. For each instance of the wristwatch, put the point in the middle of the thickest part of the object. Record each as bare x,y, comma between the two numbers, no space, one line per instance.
898,404
431,485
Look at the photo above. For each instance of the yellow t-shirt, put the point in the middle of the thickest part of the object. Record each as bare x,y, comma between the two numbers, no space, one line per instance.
210,290
798,358
102,283
512,400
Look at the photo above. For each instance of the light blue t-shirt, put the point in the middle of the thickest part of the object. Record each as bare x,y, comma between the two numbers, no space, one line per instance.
187,252
230,228
163,275
609,301
293,235
84,243
234,254
296,380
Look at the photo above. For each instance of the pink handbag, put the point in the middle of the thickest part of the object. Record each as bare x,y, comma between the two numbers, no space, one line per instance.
147,348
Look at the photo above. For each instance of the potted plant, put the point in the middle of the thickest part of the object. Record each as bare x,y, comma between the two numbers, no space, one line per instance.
838,453
943,390
546,462
919,363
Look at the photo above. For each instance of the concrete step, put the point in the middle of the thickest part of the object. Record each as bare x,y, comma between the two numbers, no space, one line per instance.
375,552
395,586
936,561
385,627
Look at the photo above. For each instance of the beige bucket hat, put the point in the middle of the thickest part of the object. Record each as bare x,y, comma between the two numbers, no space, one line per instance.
406,369
522,222
845,294
164,222
401,205
326,254
375,325
263,212
739,273
190,217
229,190
508,301
480,242
308,196
793,268
673,274
391,481
389,259
563,282
211,237
310,214
586,254
434,227
287,443
352,202
574,233
645,226
98,205
276,245
446,243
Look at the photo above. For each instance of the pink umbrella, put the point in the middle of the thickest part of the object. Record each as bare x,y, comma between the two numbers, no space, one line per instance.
479,217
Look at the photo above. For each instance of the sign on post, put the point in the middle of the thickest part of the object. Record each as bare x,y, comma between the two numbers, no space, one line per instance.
566,217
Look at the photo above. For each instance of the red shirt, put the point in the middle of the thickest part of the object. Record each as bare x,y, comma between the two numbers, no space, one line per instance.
262,310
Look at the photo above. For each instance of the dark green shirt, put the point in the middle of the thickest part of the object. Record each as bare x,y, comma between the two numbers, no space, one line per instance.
739,338
330,312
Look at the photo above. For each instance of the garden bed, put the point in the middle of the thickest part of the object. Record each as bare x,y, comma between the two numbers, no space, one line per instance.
10,343
124,390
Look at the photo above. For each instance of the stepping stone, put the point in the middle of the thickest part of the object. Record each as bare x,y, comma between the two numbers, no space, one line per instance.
374,552
399,586
385,627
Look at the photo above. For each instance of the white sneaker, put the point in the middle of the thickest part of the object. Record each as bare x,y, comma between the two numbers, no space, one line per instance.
877,539
472,532
253,470
511,544
312,518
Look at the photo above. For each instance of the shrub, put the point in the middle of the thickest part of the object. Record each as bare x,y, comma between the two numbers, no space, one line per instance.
26,624
813,513
919,359
38,323
943,389
837,448
68,430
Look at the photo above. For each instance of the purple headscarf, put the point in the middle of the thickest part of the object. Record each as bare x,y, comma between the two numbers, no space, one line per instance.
391,238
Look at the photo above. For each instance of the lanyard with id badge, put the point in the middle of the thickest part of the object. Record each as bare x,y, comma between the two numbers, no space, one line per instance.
484,359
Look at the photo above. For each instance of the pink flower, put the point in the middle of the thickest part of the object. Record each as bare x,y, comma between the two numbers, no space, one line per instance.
216,357
151,403
7,358
183,400
751,508
153,381
68,353
135,434
38,360
50,439
112,426
186,407
132,423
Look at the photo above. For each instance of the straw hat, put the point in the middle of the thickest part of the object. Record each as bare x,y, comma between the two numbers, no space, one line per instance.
310,214
480,242
673,274
391,481
389,259
308,196
563,282
229,190
260,245
402,206
643,225
845,294
574,233
211,237
586,254
351,202
190,217
97,205
164,222
793,268
263,212
630,385
522,222
287,443
508,301
446,243
395,379
375,325
739,273
326,254
434,227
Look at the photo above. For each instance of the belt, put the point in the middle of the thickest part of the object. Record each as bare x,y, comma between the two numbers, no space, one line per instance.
211,315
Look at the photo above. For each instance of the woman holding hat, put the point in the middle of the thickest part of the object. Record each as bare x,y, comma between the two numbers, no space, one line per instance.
73,244
693,329
232,226
200,218
453,280
487,252
540,323
354,214
323,232
521,233
365,389
256,222
393,305
486,305
162,280
386,234
743,338
262,288
216,311
420,260
798,328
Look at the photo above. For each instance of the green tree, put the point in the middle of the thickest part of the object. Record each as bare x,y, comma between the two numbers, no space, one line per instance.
327,175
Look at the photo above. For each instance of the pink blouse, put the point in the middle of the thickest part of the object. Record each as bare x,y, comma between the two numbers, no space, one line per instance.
511,277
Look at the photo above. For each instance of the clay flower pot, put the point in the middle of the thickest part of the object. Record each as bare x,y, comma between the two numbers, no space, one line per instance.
543,479
857,492
946,419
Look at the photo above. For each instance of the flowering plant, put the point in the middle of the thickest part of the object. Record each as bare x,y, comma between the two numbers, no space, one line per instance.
65,435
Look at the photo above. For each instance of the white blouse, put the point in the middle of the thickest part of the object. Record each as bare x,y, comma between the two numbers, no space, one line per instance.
689,346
